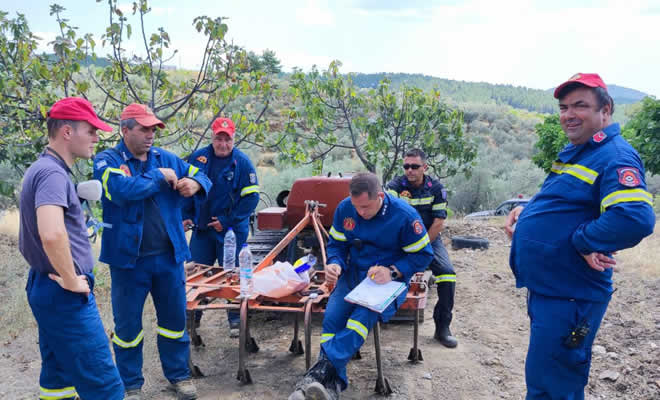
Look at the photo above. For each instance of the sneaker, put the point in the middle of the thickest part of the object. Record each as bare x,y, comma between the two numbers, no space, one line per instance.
234,329
444,336
185,389
133,394
319,383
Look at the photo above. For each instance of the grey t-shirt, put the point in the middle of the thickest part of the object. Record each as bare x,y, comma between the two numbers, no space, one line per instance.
47,182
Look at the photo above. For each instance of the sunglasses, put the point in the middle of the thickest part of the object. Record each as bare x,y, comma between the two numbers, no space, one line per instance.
413,166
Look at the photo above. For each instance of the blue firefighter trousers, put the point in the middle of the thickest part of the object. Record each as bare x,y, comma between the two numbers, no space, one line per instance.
346,327
75,356
205,248
554,371
161,276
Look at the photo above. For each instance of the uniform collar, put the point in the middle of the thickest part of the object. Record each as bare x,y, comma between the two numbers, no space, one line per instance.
598,139
127,155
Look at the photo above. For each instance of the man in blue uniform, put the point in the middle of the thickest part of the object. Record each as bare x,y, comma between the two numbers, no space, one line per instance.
593,203
429,198
144,244
75,356
233,197
375,235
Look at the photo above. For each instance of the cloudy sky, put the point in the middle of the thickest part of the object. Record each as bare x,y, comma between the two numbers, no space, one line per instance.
537,44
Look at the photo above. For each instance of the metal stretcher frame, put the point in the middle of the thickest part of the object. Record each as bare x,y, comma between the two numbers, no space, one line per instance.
213,282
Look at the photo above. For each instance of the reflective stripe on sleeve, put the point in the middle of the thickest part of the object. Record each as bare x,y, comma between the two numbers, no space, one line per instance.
249,189
106,176
170,334
582,173
326,336
337,235
421,201
621,196
438,207
56,394
418,245
127,345
392,192
358,327
192,171
445,278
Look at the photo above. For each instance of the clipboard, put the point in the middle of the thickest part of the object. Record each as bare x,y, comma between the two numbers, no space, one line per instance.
373,296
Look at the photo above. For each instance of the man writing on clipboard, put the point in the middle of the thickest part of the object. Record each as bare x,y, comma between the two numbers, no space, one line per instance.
373,235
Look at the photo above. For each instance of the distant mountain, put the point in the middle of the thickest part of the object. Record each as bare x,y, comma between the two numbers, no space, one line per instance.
481,92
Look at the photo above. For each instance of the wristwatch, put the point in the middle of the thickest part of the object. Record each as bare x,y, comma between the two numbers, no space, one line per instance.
393,273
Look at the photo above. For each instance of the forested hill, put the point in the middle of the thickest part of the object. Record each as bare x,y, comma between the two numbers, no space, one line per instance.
486,93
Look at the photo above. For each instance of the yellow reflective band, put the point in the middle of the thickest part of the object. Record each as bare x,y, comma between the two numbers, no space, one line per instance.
106,176
192,170
326,336
358,327
621,196
56,394
582,173
127,345
170,334
249,189
421,201
392,192
438,207
337,235
445,278
418,245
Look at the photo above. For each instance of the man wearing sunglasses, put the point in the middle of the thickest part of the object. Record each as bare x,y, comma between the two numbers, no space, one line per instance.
429,198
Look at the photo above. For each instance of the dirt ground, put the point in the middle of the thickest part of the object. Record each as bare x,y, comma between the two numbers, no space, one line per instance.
490,323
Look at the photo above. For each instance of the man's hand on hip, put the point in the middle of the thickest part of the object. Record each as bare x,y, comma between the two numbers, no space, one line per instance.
78,285
332,272
187,187
599,261
511,220
215,224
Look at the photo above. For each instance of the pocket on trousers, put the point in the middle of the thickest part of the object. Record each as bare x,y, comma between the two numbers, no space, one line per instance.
573,367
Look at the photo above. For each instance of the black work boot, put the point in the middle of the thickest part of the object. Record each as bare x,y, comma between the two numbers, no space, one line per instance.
319,383
443,335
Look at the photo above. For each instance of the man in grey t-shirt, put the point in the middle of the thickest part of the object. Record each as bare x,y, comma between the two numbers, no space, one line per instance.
75,356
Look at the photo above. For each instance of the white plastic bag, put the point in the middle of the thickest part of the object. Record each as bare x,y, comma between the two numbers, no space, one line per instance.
279,280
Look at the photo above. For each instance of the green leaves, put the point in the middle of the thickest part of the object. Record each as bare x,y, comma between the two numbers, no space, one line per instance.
643,132
551,140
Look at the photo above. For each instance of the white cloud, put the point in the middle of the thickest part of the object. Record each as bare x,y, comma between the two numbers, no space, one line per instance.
46,37
315,12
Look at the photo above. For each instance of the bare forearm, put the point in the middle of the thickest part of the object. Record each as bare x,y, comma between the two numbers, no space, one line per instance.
58,250
435,228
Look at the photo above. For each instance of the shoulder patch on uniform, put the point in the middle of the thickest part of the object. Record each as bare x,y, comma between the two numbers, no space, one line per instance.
629,176
418,228
202,159
126,170
599,137
101,164
405,193
349,224
253,178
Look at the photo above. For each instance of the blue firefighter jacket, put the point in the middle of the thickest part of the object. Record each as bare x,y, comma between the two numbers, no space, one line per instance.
594,200
235,192
429,199
394,236
124,191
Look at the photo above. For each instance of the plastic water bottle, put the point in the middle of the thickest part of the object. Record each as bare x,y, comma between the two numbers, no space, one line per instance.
304,265
245,263
229,251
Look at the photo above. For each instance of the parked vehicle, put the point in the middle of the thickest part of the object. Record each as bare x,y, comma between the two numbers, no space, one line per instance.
502,210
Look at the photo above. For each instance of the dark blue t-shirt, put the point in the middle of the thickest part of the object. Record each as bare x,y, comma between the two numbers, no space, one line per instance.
155,239
47,182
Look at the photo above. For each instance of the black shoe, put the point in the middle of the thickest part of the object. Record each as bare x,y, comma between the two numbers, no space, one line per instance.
319,383
443,335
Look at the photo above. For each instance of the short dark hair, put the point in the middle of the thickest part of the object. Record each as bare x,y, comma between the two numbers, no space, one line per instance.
54,125
365,182
602,97
416,153
128,123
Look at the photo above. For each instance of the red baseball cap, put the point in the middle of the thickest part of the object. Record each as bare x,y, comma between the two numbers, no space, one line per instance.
142,114
77,109
591,80
225,125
